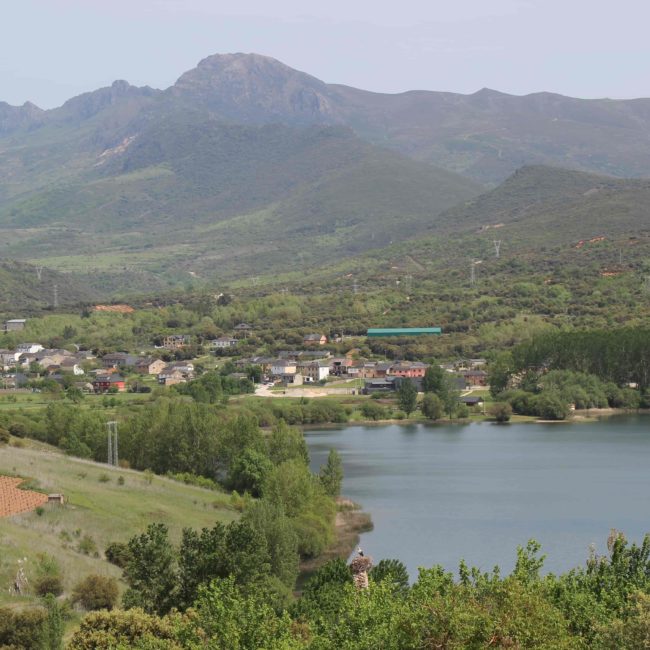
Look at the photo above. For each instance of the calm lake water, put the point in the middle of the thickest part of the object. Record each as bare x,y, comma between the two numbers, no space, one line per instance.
440,493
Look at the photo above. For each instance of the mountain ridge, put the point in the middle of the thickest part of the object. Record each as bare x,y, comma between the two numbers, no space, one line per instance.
484,135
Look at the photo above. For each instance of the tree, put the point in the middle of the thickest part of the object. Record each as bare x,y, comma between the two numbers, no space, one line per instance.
287,443
53,625
433,379
432,406
270,520
331,474
407,396
392,571
449,395
499,372
151,571
249,471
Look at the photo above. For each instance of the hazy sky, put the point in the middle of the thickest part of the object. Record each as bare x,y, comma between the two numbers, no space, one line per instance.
51,50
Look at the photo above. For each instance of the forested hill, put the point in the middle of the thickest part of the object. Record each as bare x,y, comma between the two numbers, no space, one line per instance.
22,291
183,197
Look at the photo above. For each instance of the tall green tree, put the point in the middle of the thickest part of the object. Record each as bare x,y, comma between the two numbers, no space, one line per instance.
331,474
407,396
151,571
433,379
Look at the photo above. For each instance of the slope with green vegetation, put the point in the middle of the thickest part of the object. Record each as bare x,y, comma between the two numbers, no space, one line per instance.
103,505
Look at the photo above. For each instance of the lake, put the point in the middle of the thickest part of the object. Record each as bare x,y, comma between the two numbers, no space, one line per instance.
439,493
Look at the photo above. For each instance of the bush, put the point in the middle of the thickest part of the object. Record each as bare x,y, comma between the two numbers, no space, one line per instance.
21,629
18,429
373,411
4,436
49,579
104,478
87,545
48,584
500,411
550,406
118,553
96,592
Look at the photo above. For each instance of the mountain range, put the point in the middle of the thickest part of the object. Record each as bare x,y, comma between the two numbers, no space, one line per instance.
247,167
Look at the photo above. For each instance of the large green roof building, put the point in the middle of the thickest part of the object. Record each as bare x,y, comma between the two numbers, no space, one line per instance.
403,331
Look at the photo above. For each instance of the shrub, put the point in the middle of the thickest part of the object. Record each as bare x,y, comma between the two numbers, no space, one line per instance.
39,511
500,411
96,592
432,406
120,480
21,629
373,411
87,545
49,579
18,429
118,553
4,436
48,584
104,478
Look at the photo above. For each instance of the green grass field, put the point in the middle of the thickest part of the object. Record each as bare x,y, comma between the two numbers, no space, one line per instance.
104,511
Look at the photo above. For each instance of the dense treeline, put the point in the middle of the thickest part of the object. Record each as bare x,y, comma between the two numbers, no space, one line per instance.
587,369
603,605
621,356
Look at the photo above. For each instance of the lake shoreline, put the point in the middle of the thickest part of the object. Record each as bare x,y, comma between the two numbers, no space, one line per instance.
350,523
579,415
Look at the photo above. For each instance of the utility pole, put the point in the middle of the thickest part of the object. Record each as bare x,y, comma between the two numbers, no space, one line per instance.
497,246
472,277
112,455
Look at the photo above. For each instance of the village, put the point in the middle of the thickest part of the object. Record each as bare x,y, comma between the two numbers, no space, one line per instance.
179,358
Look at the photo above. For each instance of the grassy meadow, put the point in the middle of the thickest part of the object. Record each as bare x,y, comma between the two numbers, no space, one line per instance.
97,507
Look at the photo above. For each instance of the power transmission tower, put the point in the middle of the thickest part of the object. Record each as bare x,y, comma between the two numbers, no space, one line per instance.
408,281
497,246
472,277
56,296
39,272
355,286
112,455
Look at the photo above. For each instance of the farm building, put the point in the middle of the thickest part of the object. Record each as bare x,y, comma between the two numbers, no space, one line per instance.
402,331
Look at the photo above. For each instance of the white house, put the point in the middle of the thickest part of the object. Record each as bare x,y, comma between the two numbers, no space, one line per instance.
29,348
223,342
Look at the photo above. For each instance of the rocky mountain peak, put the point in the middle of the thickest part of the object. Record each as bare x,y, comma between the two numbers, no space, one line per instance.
256,88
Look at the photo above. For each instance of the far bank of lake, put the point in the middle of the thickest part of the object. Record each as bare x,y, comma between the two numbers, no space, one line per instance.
439,493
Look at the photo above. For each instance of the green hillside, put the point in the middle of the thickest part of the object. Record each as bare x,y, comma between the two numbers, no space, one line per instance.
21,290
186,199
102,510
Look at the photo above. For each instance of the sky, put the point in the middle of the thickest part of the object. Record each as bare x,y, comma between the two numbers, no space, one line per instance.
51,50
